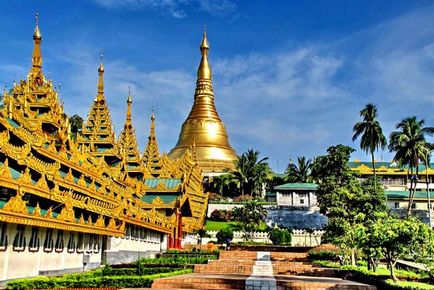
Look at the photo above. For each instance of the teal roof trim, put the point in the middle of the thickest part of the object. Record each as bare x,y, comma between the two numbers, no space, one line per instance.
13,123
297,186
166,198
396,194
169,183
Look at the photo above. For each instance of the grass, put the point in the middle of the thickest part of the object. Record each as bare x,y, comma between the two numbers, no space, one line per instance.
234,226
216,226
410,284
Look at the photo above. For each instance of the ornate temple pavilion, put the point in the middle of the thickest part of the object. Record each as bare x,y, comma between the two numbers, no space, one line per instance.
204,130
67,205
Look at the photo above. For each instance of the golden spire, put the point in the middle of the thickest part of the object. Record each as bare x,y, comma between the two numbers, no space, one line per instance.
36,71
100,78
204,70
151,156
203,129
129,102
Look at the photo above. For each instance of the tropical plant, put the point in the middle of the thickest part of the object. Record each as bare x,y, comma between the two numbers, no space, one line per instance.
201,233
299,172
372,137
280,236
249,216
76,123
223,183
410,147
225,235
250,171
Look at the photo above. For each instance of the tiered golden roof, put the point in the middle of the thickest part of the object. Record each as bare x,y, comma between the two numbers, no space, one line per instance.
48,181
128,145
97,135
203,128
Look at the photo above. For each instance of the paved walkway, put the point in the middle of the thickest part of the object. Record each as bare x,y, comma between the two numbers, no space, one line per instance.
262,276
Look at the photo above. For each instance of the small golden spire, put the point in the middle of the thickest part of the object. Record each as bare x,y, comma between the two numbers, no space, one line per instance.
37,56
204,70
100,78
129,102
152,124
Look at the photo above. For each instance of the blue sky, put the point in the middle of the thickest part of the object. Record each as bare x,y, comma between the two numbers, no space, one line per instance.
289,76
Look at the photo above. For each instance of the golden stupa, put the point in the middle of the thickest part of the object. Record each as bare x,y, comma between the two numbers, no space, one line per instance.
204,131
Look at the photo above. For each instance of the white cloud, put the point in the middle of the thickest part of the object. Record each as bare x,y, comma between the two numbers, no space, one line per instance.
173,8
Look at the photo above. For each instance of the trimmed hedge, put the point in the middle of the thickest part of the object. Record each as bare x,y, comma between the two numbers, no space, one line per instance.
323,255
94,280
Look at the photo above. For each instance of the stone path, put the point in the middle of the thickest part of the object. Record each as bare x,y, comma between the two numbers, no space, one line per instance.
262,276
259,271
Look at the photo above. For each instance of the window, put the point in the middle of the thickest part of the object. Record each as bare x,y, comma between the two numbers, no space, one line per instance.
71,243
413,205
34,240
20,239
3,236
301,201
59,241
80,243
396,204
48,243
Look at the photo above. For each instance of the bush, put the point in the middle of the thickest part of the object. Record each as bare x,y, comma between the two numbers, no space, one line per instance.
329,255
280,236
243,198
221,215
225,235
90,281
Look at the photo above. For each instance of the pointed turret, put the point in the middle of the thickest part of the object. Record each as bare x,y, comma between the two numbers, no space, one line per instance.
128,144
151,158
98,136
36,74
203,129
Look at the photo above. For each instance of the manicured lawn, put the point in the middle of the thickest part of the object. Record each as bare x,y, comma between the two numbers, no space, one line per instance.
216,226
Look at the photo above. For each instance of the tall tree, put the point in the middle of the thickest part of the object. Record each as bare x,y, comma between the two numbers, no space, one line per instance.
301,171
369,129
250,171
250,216
410,147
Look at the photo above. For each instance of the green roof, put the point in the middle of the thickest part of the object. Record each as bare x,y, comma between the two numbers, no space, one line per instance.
169,183
166,198
396,194
297,186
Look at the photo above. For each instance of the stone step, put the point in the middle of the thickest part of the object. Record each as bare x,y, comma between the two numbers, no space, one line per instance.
201,281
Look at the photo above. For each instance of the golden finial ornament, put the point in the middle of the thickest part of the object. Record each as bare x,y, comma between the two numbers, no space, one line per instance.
100,77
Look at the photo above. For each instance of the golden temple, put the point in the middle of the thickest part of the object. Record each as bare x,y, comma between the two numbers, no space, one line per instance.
203,129
96,190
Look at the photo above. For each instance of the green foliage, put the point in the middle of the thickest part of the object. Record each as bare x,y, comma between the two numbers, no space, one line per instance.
280,236
250,216
176,260
250,172
408,285
221,215
225,235
90,281
323,255
299,172
76,123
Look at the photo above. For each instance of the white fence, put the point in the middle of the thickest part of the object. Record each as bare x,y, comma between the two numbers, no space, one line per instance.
300,238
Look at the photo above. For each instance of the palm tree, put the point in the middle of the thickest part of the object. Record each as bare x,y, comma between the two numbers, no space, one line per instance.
250,171
222,182
301,171
410,147
250,216
76,123
372,137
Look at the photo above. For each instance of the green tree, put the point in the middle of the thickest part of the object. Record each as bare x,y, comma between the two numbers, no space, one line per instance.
299,172
250,171
369,129
396,238
223,183
410,147
225,235
250,216
201,233
280,236
348,204
76,123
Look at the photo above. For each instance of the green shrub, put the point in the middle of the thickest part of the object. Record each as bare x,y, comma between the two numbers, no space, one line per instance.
280,236
88,281
323,255
224,235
